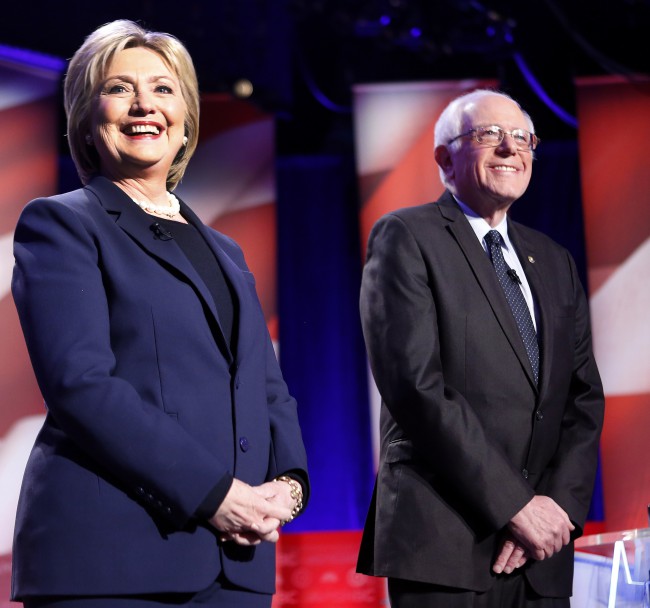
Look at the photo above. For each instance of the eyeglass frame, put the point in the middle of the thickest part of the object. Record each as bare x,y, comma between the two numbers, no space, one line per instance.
534,140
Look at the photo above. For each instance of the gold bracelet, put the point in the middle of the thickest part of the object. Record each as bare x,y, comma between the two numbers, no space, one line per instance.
296,494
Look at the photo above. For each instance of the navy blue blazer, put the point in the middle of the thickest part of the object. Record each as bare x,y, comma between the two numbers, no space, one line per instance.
147,408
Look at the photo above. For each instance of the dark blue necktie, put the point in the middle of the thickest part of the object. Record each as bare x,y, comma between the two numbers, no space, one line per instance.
510,283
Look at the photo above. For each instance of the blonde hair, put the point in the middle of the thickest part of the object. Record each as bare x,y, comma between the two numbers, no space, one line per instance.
86,71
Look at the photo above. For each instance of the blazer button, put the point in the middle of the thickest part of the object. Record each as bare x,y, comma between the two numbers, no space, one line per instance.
243,444
524,473
539,415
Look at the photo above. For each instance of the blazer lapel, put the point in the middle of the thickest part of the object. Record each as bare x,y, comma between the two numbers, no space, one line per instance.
141,227
483,270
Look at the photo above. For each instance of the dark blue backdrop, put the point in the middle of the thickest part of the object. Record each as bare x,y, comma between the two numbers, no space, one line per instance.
321,346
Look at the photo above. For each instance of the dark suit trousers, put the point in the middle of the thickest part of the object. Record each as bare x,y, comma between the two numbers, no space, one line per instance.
220,594
508,591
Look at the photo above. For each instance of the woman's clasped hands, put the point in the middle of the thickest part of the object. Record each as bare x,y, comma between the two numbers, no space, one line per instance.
252,514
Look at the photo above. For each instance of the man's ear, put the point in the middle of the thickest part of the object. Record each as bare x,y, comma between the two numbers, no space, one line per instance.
443,158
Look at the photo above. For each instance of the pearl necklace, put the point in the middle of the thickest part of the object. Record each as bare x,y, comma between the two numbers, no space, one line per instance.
173,209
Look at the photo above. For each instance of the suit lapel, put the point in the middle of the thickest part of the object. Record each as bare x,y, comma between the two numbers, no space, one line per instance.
483,270
141,228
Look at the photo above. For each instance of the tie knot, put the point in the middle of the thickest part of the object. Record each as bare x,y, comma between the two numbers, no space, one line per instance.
494,237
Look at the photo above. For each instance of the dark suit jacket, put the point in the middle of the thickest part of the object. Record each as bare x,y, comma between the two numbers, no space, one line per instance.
146,407
467,438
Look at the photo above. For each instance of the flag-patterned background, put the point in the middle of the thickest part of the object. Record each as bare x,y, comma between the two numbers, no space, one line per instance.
293,220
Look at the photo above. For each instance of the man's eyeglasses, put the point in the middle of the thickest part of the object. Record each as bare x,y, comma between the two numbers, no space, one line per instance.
493,136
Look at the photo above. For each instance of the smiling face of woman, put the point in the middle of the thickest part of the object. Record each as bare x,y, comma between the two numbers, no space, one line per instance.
138,117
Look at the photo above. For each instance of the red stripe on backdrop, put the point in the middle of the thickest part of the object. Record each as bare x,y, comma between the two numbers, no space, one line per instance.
28,156
254,229
232,113
614,131
317,570
626,474
413,181
394,144
5,578
28,168
230,184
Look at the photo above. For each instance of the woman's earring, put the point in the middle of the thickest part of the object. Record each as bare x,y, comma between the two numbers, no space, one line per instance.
185,140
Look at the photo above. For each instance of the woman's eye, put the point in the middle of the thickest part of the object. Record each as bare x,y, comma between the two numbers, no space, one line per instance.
162,88
116,89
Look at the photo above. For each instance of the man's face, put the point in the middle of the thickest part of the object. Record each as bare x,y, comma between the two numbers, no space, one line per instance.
485,175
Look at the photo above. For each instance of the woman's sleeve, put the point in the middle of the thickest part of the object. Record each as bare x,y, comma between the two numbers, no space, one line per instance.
288,450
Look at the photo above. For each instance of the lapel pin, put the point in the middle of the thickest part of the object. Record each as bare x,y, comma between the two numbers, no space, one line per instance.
531,259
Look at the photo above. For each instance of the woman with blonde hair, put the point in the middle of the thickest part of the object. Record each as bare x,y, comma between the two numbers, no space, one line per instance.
171,452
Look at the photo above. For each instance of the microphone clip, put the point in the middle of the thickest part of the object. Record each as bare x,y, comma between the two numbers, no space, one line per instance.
514,277
160,232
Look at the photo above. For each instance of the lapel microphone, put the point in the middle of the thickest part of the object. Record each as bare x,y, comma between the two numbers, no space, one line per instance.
160,232
512,273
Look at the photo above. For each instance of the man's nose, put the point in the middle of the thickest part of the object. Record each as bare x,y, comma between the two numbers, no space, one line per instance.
508,144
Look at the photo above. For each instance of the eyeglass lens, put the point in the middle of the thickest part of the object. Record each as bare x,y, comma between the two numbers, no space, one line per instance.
494,135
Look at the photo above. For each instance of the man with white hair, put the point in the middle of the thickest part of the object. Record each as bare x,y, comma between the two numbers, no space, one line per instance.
477,330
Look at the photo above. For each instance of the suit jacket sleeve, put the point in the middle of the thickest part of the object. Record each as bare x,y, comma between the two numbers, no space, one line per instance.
399,320
288,451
